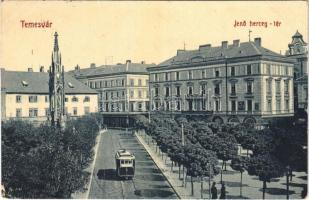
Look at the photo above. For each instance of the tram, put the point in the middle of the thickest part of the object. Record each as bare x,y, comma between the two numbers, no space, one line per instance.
125,164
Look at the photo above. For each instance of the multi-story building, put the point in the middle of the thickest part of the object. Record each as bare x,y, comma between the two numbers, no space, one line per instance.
123,89
25,95
241,82
298,51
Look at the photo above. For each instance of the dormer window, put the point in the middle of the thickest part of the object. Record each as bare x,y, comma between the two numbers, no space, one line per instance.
25,83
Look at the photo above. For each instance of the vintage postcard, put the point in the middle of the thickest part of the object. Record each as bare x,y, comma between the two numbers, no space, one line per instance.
154,99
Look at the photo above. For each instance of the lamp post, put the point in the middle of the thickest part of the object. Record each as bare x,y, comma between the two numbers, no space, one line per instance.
287,181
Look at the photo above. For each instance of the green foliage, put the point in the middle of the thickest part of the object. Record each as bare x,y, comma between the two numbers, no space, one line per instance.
240,163
266,167
44,162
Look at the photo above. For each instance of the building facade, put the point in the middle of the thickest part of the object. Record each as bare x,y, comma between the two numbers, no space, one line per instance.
298,50
241,82
25,95
123,89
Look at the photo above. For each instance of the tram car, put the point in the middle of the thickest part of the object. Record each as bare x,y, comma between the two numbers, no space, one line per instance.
125,164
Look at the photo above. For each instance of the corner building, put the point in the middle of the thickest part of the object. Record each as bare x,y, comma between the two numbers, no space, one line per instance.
123,90
240,82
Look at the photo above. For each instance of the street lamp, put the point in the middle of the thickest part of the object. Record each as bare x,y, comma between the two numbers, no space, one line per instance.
287,181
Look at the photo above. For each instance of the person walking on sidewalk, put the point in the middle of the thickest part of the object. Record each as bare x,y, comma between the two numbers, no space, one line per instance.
222,195
214,191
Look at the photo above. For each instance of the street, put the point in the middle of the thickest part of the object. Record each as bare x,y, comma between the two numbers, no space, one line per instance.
148,181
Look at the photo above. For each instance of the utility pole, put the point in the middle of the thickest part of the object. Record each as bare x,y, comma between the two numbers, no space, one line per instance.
183,145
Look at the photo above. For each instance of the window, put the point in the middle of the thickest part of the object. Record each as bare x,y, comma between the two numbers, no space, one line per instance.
232,71
47,111
177,105
177,76
167,103
18,112
278,105
248,69
203,73
257,106
74,99
105,83
86,110
177,91
74,111
167,76
46,98
106,95
233,105
249,105
269,105
33,112
217,89
97,84
286,70
190,75
268,69
286,104
139,82
131,82
117,94
122,93
306,93
156,105
131,93
156,91
217,105
268,86
156,77
139,93
66,99
101,84
241,105
112,94
167,91
203,89
122,82
249,87
33,99
233,89
278,87
86,99
18,99
140,106
190,90
217,73
286,86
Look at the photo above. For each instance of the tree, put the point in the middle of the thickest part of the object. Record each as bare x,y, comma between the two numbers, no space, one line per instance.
44,162
239,163
265,167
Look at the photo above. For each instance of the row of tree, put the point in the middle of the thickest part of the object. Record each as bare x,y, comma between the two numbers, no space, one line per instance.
45,162
273,149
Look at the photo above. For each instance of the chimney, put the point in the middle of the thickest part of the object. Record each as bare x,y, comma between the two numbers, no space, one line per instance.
143,62
92,65
224,44
128,61
180,51
258,41
236,43
30,69
203,47
77,67
42,69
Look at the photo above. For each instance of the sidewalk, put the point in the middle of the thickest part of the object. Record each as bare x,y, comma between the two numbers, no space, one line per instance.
84,194
251,186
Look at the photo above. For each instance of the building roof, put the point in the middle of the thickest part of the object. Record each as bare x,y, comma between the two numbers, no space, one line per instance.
237,50
128,68
37,82
297,34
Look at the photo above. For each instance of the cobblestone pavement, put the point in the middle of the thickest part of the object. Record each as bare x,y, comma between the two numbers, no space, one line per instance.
148,181
251,189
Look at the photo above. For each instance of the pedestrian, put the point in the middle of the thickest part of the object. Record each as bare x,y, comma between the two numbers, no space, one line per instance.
222,195
214,191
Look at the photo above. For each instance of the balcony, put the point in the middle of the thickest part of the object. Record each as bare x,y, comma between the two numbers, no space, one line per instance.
196,96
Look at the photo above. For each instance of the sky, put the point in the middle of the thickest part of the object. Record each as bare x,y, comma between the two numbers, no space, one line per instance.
112,32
